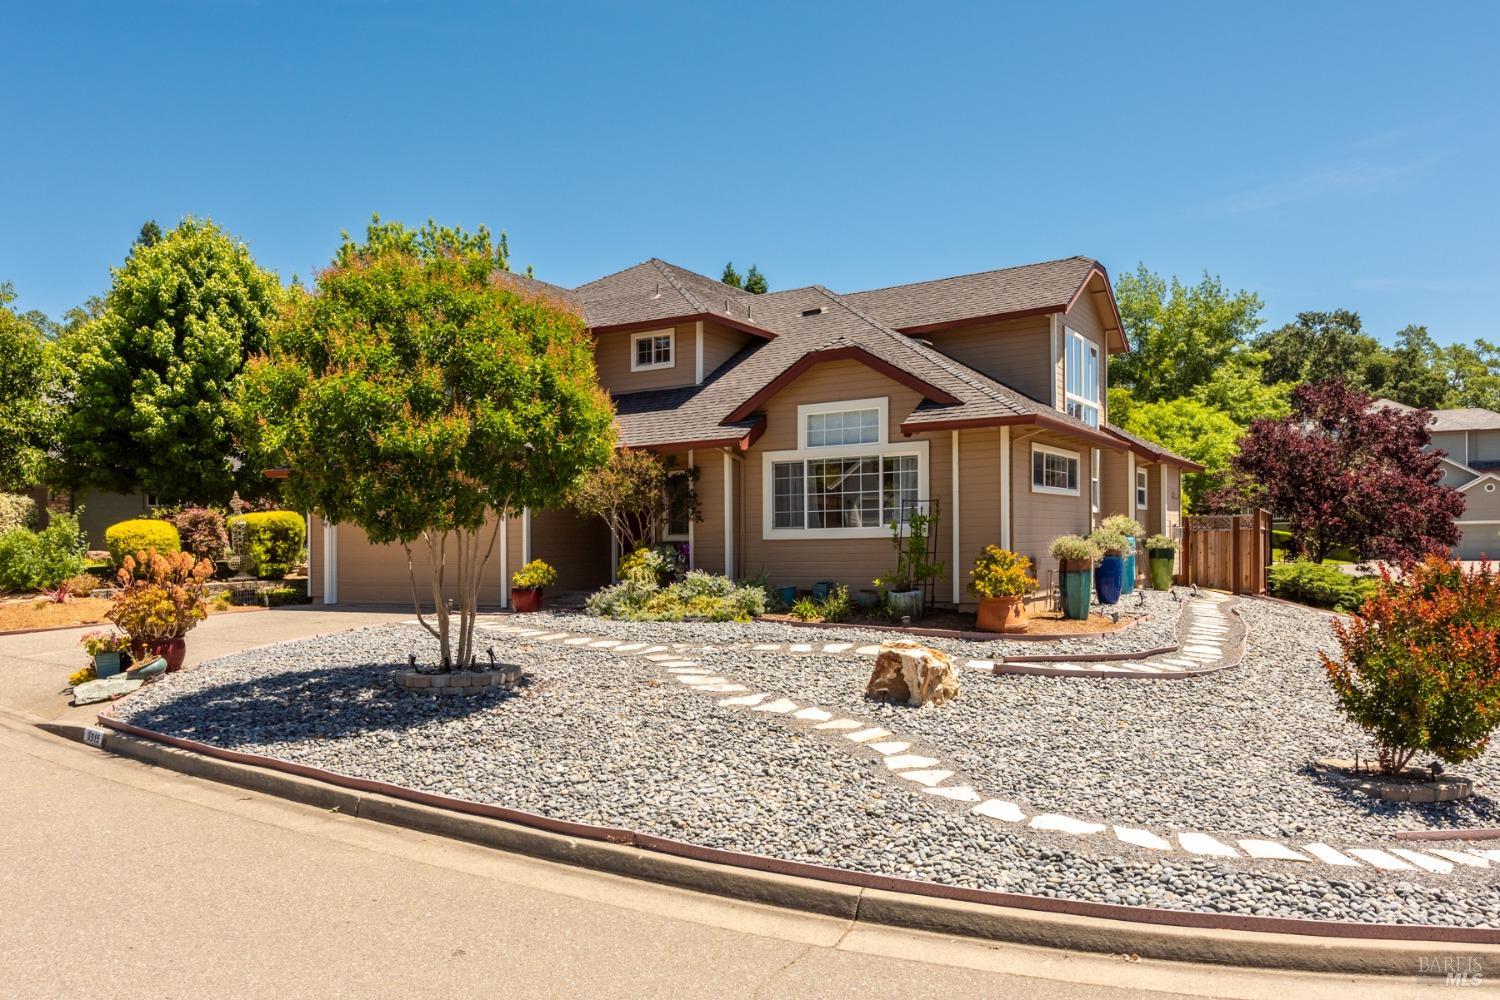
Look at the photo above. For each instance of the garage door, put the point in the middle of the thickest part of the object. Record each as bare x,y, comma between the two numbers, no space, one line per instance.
1479,541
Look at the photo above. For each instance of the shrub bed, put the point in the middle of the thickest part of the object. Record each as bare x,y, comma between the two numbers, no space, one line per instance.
42,560
700,595
1323,586
270,541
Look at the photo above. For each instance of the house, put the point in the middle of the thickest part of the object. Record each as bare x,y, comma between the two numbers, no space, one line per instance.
816,419
1470,437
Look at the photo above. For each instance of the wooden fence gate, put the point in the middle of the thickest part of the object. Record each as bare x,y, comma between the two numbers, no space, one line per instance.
1227,551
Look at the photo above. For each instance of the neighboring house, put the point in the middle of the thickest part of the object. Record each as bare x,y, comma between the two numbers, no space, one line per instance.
1471,438
96,511
815,419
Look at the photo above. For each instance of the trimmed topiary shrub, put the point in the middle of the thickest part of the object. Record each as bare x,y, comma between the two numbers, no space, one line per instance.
270,541
16,511
1420,670
202,532
139,534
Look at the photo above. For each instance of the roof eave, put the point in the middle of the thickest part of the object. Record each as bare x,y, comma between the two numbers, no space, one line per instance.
1057,424
1114,306
806,361
651,324
740,442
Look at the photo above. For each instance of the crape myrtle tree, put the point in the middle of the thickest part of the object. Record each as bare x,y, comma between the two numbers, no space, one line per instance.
147,384
636,493
418,395
1343,472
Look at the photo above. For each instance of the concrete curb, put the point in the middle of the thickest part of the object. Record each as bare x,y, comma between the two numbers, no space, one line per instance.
1164,935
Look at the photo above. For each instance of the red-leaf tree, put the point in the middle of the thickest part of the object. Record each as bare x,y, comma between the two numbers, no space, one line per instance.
1345,473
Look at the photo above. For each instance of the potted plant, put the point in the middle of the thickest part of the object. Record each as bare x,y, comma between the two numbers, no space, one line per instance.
108,650
1162,552
1132,530
914,566
1109,573
1075,562
160,600
1001,581
526,585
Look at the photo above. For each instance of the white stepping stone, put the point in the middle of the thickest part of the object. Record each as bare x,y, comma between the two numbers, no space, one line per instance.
909,762
894,746
1202,843
1142,838
749,699
630,647
865,735
1380,859
928,778
530,631
867,650
958,793
1468,858
579,640
837,647
1007,812
1271,849
696,679
1427,861
1329,856
654,649
723,688
688,670
661,657
766,647
1492,855
838,724
1065,824
800,647
780,706
813,715
981,665
554,636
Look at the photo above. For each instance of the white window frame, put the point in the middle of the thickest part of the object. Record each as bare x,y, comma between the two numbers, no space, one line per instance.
1142,488
1095,494
636,338
769,531
1097,403
1062,453
882,404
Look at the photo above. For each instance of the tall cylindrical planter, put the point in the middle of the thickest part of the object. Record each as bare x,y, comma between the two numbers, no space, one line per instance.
1075,585
1161,568
1107,577
1127,579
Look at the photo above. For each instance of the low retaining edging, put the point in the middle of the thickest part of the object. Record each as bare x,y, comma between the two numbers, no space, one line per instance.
1174,935
965,635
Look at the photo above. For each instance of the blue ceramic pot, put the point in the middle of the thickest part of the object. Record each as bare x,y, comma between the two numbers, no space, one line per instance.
1127,581
1074,575
1107,577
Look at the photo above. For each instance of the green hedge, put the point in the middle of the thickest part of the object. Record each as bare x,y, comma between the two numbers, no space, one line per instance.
1321,585
129,537
16,511
270,541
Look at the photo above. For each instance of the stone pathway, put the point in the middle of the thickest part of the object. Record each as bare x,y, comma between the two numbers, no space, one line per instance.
1205,637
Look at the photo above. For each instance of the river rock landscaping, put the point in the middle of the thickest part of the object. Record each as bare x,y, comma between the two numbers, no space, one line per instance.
779,753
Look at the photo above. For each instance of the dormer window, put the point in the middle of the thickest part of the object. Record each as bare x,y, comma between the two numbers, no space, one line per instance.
651,350
1081,379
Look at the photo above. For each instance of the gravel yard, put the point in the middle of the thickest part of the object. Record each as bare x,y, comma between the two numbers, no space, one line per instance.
604,738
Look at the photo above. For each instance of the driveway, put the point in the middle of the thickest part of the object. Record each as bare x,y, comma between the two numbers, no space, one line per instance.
34,668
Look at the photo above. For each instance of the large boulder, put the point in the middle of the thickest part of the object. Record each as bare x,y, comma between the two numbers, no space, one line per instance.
910,672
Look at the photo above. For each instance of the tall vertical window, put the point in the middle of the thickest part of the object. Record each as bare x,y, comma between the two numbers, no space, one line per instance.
679,505
652,349
1081,379
1094,481
1141,488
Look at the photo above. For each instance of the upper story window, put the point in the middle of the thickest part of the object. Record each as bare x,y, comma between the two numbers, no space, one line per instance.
836,427
1054,470
1142,490
1081,379
652,349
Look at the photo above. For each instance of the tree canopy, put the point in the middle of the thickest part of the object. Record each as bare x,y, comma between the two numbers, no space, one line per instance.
26,386
417,394
147,381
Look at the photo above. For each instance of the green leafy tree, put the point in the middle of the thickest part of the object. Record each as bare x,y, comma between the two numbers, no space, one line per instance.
1417,375
1318,346
417,394
1192,430
1236,390
1179,334
731,277
149,379
27,383
755,282
1472,375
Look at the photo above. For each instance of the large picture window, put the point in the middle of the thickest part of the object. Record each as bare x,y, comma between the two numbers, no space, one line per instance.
1081,379
862,491
652,349
1054,470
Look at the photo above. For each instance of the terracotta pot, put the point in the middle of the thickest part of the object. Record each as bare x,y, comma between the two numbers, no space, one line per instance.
171,650
1003,614
525,599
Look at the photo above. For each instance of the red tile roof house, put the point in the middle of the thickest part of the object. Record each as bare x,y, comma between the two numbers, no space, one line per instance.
814,416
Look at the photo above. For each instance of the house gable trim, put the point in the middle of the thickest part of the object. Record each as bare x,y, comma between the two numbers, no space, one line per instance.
859,354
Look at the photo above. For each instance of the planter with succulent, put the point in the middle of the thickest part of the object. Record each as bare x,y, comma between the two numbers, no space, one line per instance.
1162,552
527,583
109,651
1001,579
1109,574
1133,531
904,587
1075,562
159,601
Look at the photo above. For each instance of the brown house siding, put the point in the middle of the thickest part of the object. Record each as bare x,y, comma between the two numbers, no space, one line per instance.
1040,517
1013,352
979,473
612,360
1082,319
720,343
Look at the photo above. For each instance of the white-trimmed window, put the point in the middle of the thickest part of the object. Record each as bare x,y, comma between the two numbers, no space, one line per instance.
1142,490
1081,379
652,349
1054,470
1094,481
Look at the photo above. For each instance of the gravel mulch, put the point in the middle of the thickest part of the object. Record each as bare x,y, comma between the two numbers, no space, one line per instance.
610,739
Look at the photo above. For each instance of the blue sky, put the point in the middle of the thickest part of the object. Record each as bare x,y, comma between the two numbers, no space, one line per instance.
1325,155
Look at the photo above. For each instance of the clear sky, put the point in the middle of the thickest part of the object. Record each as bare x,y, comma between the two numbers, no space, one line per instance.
1323,154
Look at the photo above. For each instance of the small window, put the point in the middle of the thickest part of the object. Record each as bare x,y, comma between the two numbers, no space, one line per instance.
1094,482
826,430
651,350
1054,470
1489,487
1141,490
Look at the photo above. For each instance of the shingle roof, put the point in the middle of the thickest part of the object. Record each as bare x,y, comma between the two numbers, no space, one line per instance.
1027,288
654,290
1466,418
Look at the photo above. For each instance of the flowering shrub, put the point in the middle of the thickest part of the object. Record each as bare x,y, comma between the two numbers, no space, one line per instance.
94,643
1420,669
534,575
700,595
161,596
1001,573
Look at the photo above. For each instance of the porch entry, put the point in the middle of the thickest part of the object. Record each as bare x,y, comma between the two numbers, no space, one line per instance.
1227,551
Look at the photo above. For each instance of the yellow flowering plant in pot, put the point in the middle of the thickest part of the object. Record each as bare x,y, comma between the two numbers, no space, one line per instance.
160,600
1001,579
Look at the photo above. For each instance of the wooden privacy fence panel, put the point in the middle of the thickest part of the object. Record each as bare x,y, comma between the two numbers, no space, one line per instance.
1227,551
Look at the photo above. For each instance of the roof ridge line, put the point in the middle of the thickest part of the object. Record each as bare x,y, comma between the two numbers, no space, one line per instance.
975,274
663,268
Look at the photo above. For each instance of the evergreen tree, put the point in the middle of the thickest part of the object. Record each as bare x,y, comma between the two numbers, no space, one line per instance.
731,277
755,282
150,234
